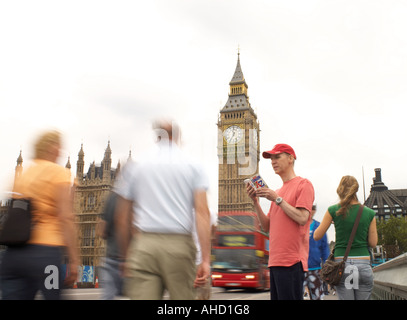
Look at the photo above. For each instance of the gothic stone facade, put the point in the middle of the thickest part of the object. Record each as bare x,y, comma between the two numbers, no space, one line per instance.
90,191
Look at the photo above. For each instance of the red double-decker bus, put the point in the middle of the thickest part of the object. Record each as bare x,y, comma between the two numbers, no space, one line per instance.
240,252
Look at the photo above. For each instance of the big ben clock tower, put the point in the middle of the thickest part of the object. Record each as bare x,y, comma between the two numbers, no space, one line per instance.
238,146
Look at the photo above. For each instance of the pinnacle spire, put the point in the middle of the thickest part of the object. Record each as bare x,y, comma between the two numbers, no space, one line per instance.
81,153
238,76
108,150
68,164
20,158
238,99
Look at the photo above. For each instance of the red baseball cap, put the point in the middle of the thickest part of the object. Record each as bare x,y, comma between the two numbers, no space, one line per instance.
279,148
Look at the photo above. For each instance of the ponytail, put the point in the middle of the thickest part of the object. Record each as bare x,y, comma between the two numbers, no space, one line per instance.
347,189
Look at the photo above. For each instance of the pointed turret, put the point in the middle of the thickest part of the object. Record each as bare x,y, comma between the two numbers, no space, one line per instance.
238,97
107,164
68,164
19,166
238,77
107,160
20,159
80,163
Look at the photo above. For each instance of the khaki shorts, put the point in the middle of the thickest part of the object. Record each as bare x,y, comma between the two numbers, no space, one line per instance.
161,261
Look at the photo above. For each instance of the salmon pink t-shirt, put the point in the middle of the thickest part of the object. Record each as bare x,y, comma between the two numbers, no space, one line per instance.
289,241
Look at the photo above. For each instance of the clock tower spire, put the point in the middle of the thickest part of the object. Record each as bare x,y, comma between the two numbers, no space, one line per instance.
238,95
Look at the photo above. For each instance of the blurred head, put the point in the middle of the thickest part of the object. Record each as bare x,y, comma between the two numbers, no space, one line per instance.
347,189
47,146
167,130
314,209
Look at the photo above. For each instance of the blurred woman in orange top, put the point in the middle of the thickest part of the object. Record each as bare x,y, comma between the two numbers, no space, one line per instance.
26,270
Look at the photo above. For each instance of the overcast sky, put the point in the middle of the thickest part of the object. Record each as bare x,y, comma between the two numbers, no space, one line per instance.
327,77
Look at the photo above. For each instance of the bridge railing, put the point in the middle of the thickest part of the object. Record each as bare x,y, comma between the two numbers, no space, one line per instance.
390,279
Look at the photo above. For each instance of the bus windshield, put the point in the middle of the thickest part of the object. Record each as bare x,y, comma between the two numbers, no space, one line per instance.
234,260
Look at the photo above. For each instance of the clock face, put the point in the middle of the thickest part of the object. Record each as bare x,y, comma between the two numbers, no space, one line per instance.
233,134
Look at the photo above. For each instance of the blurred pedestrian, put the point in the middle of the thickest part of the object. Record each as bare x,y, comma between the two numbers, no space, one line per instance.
288,224
357,280
26,270
318,253
162,191
111,277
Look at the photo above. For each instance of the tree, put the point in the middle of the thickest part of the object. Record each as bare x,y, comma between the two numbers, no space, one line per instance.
393,232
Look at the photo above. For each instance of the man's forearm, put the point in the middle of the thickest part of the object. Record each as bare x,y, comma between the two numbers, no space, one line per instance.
299,215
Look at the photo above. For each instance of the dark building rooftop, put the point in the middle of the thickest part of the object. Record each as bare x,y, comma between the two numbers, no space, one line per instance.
384,201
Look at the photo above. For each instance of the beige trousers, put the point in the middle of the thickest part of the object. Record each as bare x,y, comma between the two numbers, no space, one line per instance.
161,261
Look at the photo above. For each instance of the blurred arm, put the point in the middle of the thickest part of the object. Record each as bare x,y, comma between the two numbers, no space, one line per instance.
123,218
64,205
203,230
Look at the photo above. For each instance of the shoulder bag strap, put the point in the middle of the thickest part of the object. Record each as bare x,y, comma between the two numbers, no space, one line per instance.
352,235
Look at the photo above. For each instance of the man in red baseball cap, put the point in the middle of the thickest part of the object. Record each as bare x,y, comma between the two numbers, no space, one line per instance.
287,222
279,148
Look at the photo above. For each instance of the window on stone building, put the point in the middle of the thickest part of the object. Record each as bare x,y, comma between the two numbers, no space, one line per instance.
91,201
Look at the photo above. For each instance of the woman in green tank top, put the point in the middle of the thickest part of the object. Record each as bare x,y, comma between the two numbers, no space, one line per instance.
357,280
